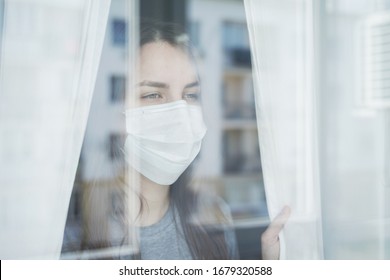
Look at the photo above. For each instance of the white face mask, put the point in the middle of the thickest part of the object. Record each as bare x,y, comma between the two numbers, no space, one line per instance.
164,139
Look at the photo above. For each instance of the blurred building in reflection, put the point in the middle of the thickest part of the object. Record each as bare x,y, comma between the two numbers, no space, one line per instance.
230,156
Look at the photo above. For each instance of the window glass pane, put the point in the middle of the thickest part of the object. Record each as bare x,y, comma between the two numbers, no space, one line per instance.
307,151
354,63
202,189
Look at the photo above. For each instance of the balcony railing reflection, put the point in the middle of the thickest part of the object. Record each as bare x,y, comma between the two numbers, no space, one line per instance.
242,164
240,111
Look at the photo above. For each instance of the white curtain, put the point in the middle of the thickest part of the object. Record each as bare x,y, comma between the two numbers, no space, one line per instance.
281,36
321,84
50,54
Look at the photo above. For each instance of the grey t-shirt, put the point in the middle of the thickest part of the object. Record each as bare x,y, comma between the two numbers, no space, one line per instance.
165,240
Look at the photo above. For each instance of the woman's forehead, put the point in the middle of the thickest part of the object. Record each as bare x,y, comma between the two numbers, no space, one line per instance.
162,61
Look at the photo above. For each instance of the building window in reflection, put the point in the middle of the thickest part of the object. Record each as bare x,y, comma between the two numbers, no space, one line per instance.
119,32
117,88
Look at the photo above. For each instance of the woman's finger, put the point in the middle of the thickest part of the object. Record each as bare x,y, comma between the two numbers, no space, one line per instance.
270,238
271,234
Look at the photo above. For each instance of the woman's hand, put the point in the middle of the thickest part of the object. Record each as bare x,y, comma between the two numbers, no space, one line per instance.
270,244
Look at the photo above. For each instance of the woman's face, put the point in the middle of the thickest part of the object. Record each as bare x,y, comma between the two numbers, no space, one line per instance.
164,140
166,74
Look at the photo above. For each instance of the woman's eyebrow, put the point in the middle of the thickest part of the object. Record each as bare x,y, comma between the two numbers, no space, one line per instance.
193,84
153,84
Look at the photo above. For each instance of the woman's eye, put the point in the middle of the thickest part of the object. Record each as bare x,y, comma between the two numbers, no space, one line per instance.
153,95
193,97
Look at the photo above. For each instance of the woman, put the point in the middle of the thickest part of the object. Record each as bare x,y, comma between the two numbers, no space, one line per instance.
165,128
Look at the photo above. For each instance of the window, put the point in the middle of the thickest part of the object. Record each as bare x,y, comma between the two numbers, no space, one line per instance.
238,97
241,152
235,35
236,44
119,32
117,88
